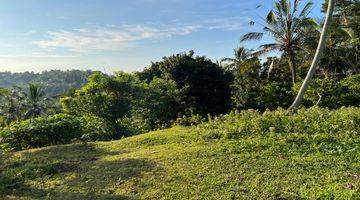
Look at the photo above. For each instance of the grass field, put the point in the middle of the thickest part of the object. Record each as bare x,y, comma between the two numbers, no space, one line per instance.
178,163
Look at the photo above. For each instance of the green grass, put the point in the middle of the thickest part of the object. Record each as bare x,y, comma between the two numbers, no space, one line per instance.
183,163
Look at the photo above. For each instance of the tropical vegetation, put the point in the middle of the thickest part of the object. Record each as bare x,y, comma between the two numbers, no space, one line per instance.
309,154
225,129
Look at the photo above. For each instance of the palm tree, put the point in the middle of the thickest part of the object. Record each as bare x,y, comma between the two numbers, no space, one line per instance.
11,104
15,104
243,59
35,101
241,55
288,25
318,54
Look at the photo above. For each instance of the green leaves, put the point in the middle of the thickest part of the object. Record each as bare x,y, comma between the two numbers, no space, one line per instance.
283,7
55,130
310,122
271,17
306,10
296,5
289,28
103,96
251,36
39,132
331,93
205,82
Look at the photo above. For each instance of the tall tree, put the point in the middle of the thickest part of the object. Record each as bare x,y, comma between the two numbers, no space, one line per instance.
317,57
36,102
241,55
288,25
11,104
206,84
103,96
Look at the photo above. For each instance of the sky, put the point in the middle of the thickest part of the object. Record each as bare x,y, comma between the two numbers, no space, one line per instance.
126,35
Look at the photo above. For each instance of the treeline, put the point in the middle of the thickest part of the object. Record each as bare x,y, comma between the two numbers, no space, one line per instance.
187,89
54,82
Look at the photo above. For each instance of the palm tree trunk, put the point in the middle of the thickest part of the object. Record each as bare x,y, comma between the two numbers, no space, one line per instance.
292,67
317,57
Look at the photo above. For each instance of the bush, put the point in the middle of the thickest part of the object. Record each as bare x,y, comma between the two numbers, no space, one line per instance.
55,130
134,125
160,104
252,93
322,92
313,121
98,129
192,120
40,132
331,93
107,97
351,90
275,94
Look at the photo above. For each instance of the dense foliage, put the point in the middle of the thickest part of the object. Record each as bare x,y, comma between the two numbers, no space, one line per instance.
205,83
310,122
333,94
54,130
127,104
103,96
40,132
343,46
188,89
54,82
17,104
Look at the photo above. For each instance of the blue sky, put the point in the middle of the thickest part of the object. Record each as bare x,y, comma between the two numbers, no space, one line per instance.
112,35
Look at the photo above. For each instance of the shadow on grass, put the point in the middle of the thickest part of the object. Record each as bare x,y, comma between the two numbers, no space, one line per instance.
92,176
46,194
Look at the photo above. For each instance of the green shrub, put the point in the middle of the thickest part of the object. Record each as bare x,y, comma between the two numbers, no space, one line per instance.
312,121
351,90
55,130
275,94
322,92
331,93
97,128
191,120
134,125
40,132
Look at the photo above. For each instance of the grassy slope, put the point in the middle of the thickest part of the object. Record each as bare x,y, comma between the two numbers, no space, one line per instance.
179,164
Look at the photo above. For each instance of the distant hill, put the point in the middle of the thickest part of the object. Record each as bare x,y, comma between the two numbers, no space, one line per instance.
54,82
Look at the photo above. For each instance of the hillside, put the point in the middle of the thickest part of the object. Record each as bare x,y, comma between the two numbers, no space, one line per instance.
54,82
189,99
184,163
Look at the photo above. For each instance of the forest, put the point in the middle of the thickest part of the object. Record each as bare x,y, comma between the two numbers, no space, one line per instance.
54,82
226,99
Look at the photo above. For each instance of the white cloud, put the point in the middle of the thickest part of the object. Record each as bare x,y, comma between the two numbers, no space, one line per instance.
115,38
227,24
107,38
